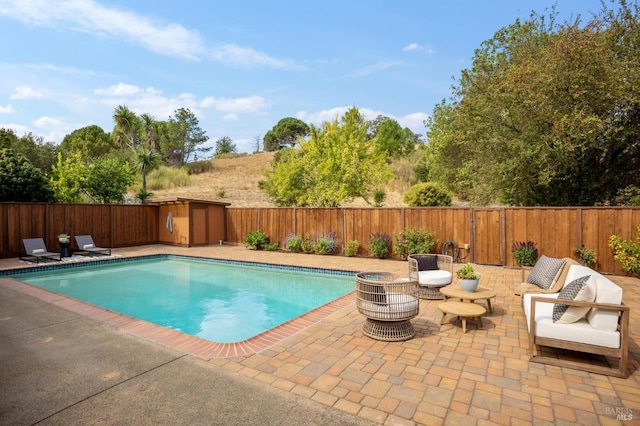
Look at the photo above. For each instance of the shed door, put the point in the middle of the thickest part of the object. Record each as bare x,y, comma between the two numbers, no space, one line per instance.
199,226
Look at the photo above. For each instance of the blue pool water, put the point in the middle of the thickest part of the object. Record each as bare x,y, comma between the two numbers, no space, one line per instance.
220,301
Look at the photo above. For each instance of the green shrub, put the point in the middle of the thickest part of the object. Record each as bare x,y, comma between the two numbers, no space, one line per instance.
379,245
273,246
294,243
167,178
427,194
308,245
256,240
586,256
627,252
351,248
325,244
221,193
525,253
414,241
197,167
379,195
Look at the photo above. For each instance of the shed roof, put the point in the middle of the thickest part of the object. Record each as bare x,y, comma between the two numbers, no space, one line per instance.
179,200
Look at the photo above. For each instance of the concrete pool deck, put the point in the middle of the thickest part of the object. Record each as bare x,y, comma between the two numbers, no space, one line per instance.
62,367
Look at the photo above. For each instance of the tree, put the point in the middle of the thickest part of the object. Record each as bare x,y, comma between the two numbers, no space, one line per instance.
41,154
127,130
392,140
108,180
146,160
137,133
68,179
8,138
181,138
91,141
20,180
336,164
257,139
225,145
549,114
288,131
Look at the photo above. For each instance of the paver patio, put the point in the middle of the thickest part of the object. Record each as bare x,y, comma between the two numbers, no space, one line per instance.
441,376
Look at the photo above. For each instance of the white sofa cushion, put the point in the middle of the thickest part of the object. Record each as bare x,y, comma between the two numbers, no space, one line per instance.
436,277
580,331
582,289
606,292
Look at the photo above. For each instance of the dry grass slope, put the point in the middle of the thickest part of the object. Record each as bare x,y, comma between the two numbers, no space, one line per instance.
236,179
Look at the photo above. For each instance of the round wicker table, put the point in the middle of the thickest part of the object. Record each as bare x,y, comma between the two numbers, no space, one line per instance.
388,302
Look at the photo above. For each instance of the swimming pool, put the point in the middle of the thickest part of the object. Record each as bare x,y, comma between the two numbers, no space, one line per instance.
221,301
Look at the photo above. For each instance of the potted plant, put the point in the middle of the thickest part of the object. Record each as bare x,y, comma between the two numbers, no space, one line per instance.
64,238
468,277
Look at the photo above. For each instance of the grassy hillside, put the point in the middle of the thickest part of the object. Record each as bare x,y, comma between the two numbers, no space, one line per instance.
235,181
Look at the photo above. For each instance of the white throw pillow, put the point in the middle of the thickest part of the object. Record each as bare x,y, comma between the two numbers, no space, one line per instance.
582,289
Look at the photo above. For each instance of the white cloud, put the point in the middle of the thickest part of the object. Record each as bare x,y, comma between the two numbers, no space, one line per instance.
413,121
381,66
120,89
251,104
231,54
172,39
6,110
230,117
414,47
26,92
53,129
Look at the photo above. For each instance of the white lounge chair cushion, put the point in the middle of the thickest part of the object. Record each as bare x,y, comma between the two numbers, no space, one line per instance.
87,246
580,331
436,277
38,251
606,292
398,307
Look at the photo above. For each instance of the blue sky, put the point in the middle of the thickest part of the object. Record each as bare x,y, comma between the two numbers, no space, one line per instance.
240,65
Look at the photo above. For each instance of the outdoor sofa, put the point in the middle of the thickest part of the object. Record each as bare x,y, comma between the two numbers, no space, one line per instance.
589,317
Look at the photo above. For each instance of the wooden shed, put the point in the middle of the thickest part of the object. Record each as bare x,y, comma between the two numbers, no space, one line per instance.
188,222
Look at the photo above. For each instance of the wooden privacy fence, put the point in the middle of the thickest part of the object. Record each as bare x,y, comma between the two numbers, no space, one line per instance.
490,232
112,225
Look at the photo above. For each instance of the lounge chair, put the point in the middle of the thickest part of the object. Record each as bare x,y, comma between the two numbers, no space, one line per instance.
86,245
36,251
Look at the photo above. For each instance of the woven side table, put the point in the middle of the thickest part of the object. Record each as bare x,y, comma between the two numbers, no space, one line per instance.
388,302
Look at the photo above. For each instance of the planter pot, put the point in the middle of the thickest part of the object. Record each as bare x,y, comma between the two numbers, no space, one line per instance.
468,285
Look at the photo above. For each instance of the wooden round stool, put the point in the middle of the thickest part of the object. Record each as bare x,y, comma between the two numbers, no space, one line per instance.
463,310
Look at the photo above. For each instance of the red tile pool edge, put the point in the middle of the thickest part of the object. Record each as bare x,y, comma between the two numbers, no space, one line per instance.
175,339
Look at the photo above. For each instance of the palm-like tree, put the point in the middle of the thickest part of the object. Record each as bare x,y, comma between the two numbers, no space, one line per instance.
146,159
128,131
127,126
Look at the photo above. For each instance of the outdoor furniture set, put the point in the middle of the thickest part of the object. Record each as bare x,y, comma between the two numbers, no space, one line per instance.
389,301
567,306
36,251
